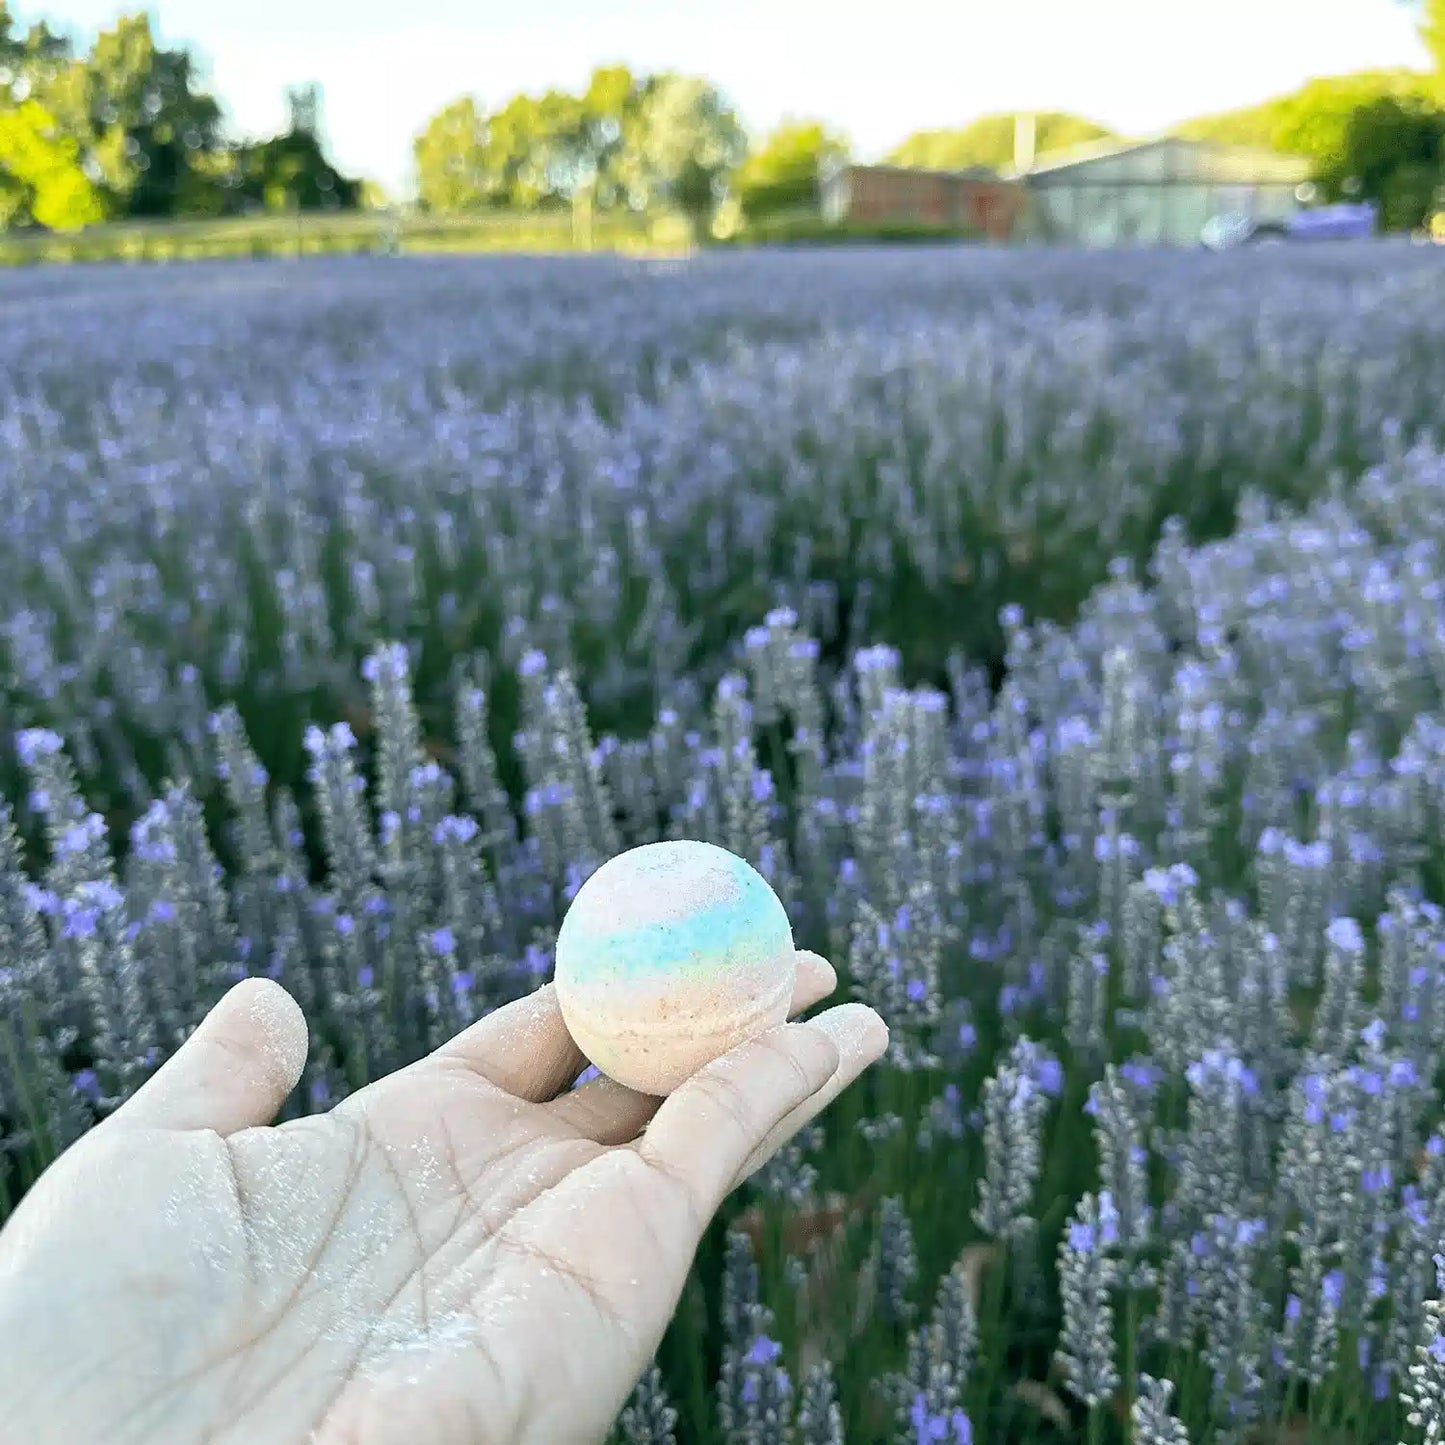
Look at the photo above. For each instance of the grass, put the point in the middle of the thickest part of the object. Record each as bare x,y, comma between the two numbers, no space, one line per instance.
341,233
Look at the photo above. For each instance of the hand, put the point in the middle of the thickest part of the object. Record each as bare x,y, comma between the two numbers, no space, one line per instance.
464,1253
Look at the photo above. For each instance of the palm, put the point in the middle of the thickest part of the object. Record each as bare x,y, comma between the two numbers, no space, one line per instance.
458,1253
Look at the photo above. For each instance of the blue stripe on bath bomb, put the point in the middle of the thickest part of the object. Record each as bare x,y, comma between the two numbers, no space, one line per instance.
737,934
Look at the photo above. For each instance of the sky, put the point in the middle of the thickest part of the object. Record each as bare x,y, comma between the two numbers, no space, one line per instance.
875,71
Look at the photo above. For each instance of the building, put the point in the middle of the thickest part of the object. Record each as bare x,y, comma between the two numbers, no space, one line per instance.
1148,192
974,200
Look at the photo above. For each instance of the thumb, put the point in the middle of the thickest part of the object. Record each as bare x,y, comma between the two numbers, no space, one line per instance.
235,1070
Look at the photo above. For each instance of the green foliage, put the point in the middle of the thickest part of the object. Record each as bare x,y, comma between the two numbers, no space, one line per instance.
807,228
325,233
35,142
147,97
127,131
533,149
451,159
782,172
290,173
686,143
1311,121
42,171
372,196
989,141
1373,135
1395,149
1432,31
642,143
535,152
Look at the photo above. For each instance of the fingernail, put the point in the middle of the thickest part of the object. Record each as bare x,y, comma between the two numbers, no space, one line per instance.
855,1029
827,974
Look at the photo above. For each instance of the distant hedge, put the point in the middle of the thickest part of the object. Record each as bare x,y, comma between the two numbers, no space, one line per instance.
816,231
327,235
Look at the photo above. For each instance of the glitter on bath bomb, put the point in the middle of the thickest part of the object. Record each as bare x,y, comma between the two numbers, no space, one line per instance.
670,955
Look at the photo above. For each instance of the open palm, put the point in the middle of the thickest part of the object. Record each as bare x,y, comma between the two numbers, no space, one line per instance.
466,1251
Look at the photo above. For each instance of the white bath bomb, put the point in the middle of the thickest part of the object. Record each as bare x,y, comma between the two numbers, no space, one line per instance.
670,955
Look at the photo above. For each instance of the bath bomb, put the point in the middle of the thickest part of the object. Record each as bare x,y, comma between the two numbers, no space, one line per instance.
670,955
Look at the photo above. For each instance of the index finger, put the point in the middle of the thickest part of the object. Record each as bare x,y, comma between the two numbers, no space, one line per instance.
710,1127
523,1048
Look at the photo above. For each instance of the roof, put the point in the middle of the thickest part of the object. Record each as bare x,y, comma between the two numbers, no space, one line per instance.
1089,150
969,173
1267,164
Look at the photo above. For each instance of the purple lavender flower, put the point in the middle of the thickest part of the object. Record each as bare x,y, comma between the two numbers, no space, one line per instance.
32,744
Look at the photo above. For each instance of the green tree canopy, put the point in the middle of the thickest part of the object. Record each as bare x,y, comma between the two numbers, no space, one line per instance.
1394,152
781,172
43,177
989,141
686,143
150,95
1311,121
1432,31
1372,134
128,129
40,108
290,172
535,151
452,161
136,132
626,141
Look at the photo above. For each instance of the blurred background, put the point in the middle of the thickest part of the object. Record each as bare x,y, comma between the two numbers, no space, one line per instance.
649,126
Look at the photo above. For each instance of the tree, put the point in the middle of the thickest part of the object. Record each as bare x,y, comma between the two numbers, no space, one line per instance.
47,170
687,142
782,172
148,94
531,153
555,149
1394,153
535,151
528,143
1432,31
624,142
1373,135
989,141
1311,121
451,160
290,172
128,130
373,196
42,166
611,112
12,47
40,46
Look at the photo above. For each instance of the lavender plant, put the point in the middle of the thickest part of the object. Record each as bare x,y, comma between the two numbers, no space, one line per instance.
1061,635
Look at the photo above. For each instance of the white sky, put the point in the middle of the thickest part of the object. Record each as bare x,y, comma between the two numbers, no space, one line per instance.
875,71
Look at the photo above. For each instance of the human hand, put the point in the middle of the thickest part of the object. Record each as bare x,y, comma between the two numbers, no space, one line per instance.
458,1254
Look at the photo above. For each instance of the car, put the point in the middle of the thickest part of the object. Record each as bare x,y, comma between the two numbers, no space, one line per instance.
1347,221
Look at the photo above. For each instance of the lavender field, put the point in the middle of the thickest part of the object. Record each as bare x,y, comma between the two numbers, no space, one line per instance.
1062,635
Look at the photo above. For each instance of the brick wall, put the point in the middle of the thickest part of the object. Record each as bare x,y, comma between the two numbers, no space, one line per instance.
876,194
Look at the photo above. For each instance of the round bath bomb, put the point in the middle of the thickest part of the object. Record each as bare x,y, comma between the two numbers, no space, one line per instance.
670,955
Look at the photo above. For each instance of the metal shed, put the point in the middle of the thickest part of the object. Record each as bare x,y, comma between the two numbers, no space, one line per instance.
1154,191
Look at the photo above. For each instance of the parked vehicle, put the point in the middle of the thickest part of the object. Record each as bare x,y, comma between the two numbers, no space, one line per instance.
1347,221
